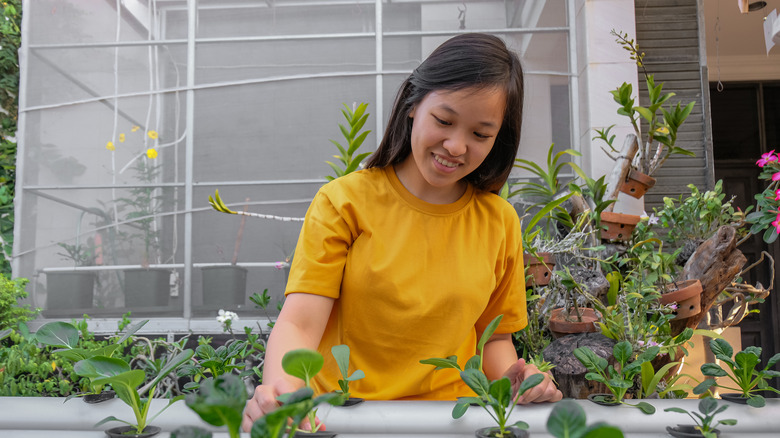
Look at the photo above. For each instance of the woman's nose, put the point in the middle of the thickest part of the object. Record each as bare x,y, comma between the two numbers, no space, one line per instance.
455,145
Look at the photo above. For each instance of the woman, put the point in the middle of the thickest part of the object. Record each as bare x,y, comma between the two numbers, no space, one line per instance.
413,256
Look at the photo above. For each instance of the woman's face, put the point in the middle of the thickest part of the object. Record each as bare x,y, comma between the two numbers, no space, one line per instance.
452,133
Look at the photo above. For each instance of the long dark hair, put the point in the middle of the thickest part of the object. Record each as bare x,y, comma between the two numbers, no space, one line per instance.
464,61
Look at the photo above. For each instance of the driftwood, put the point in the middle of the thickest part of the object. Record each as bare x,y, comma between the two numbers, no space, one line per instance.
568,371
715,263
620,171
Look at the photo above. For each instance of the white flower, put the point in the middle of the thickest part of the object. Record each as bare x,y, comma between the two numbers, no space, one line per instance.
653,219
226,316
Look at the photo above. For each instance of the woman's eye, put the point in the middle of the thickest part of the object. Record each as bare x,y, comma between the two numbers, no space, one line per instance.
482,136
442,122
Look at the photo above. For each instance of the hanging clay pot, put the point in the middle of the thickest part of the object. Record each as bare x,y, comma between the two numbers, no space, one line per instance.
561,325
618,225
637,184
540,270
687,295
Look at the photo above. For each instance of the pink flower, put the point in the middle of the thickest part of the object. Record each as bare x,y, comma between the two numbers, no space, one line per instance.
776,224
777,195
766,158
672,306
280,265
776,177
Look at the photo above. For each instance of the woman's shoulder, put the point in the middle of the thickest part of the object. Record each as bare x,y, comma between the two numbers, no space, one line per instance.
495,203
363,184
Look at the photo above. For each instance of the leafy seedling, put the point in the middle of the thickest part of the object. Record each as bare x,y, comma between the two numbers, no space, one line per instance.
617,380
567,420
708,409
341,354
220,401
744,373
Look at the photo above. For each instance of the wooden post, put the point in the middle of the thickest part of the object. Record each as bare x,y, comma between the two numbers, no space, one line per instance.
621,169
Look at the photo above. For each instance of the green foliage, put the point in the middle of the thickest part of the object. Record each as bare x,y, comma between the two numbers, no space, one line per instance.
661,135
10,41
698,216
356,118
142,208
299,405
765,219
27,370
493,395
81,254
11,312
567,420
220,401
341,354
708,409
621,378
745,374
225,359
103,370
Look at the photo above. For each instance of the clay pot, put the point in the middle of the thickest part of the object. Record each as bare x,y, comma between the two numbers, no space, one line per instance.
687,431
492,432
687,296
127,432
352,401
540,270
560,326
618,225
637,184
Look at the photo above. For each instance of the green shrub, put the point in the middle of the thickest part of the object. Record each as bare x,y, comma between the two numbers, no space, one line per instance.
11,312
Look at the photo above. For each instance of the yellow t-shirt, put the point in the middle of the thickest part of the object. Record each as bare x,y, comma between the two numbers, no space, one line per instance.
412,280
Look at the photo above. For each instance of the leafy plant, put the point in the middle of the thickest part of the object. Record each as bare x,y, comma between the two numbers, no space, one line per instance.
660,142
593,191
142,208
341,354
495,395
617,380
299,405
11,311
567,420
220,401
708,409
356,118
766,218
210,362
102,370
65,337
81,254
745,374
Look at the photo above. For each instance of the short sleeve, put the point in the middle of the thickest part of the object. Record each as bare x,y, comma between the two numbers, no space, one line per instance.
321,251
508,298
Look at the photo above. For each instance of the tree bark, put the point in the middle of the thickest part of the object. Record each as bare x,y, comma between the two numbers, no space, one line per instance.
568,371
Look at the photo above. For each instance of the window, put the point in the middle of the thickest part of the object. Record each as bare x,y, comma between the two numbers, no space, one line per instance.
238,96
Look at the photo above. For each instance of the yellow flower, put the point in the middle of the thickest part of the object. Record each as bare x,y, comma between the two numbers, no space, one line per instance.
122,138
663,130
152,134
110,146
151,153
54,366
135,128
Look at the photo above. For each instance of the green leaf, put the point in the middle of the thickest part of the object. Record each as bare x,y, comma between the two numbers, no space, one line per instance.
477,381
501,390
622,352
473,363
601,430
721,347
530,382
220,401
589,359
439,363
302,363
489,330
566,418
460,409
341,354
131,330
757,401
645,407
58,334
704,386
712,370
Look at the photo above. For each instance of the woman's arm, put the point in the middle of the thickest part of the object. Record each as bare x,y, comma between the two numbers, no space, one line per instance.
301,324
500,359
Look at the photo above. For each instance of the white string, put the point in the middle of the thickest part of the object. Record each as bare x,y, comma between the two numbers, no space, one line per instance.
116,110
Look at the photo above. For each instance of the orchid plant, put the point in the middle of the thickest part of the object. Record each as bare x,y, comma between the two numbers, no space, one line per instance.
766,218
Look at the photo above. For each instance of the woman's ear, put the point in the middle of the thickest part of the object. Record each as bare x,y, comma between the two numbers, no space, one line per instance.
411,112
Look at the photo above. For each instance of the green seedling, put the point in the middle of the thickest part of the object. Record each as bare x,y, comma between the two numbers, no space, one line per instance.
493,395
567,420
65,337
617,380
299,405
744,373
708,408
220,401
341,354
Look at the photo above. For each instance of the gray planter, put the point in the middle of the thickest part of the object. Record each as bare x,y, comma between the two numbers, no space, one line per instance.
147,287
224,285
70,290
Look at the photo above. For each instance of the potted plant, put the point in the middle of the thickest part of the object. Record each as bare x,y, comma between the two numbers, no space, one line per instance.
620,379
659,143
145,286
76,289
495,395
745,374
572,318
567,420
356,118
341,354
226,285
704,426
299,406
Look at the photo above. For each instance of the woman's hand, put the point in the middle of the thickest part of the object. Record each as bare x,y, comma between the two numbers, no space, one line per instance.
543,392
262,402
